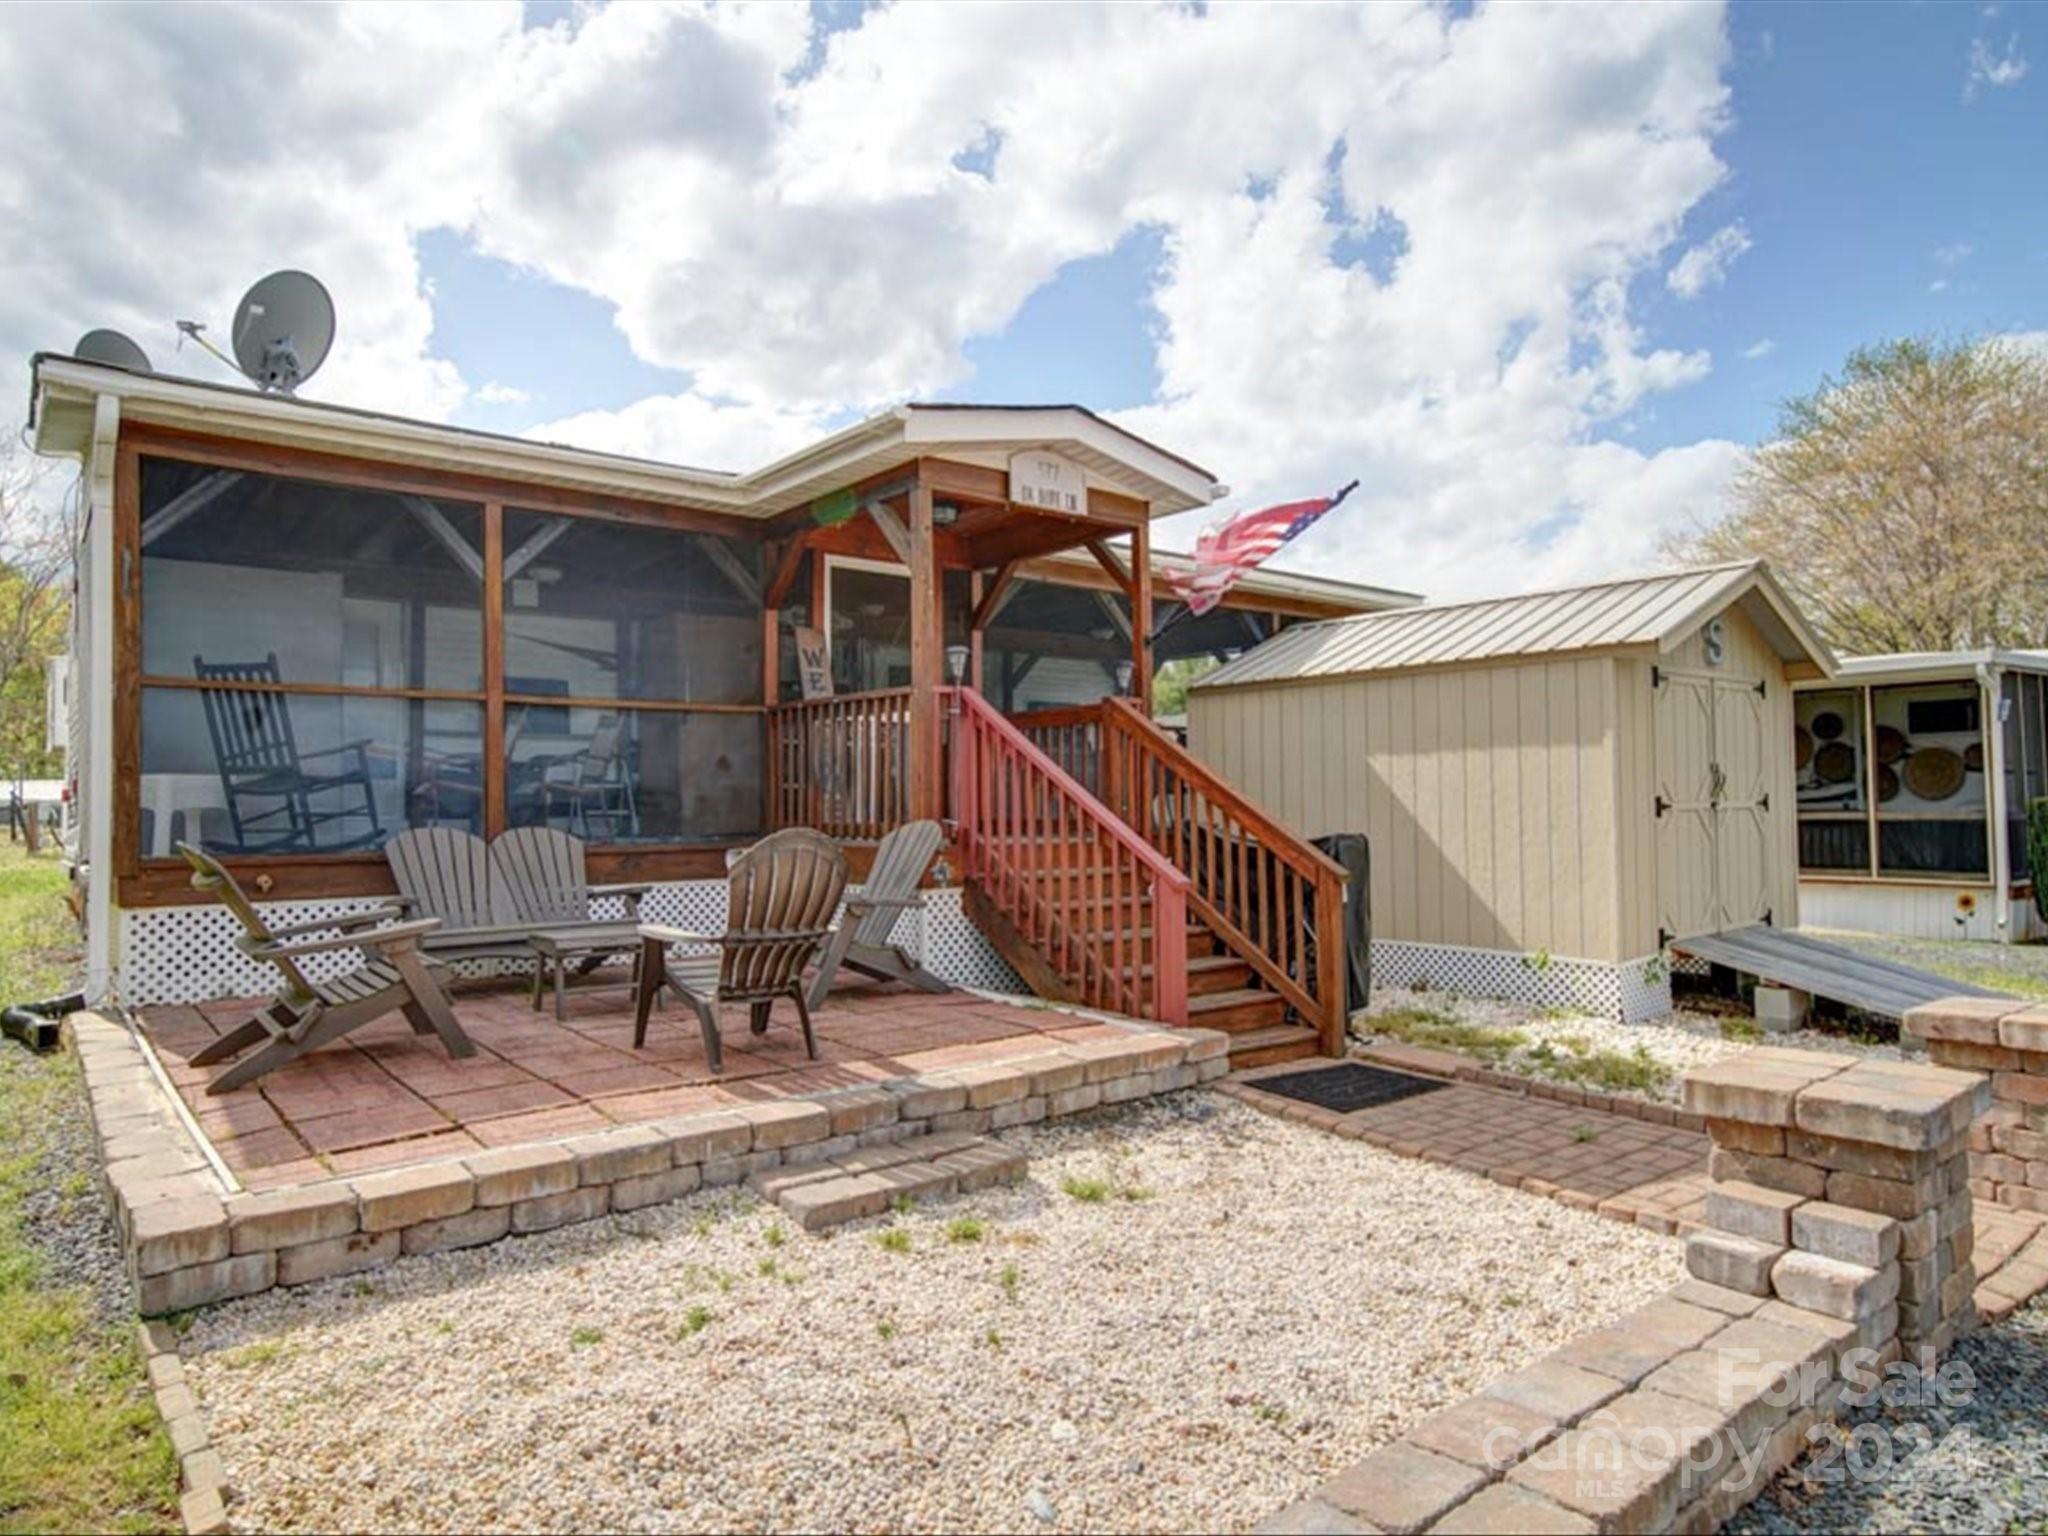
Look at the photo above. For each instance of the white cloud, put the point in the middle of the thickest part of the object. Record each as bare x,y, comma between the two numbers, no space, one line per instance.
1939,285
495,393
801,242
1997,70
1756,351
1952,256
1706,264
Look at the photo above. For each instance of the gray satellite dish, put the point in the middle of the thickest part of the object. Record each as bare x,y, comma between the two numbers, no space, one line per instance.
113,349
283,328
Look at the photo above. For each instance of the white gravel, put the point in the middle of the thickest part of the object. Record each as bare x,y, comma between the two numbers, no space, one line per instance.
1680,1041
1253,1306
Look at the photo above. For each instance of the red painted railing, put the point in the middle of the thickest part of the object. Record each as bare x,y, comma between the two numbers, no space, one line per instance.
841,765
1104,909
1271,899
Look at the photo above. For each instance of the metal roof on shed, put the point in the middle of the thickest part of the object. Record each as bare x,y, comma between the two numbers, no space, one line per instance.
1657,610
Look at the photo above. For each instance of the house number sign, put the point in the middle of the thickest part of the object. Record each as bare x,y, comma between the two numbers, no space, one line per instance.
1048,482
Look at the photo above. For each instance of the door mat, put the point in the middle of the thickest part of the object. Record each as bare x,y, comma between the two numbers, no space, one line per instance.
1351,1085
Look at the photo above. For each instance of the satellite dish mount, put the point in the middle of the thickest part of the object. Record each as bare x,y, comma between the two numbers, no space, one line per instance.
282,331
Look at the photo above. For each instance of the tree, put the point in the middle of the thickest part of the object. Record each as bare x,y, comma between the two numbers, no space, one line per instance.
35,601
1905,503
1172,679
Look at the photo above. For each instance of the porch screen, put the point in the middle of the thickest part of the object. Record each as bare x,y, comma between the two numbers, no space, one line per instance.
312,661
632,680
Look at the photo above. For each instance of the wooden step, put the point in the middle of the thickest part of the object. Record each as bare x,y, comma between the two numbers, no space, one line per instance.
1238,1010
1209,973
1277,1042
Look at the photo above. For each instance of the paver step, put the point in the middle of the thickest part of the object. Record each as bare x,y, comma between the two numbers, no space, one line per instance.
1237,1010
868,1182
1277,1042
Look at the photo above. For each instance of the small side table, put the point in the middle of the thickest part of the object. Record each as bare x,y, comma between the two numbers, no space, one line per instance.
585,945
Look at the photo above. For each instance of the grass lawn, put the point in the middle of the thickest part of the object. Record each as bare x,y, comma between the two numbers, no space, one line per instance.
81,1448
2020,969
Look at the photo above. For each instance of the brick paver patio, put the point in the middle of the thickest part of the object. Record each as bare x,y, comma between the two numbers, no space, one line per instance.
386,1097
1599,1156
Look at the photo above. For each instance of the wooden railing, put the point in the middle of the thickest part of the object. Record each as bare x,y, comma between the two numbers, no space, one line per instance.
841,765
1271,899
1105,910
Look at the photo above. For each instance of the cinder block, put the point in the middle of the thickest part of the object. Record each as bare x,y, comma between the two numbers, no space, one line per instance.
511,1174
1781,1010
1725,1165
1752,1211
1739,1264
484,1224
290,1218
629,1152
1741,1136
333,1256
704,1138
544,1213
165,1236
1850,1292
405,1197
1842,1232
178,1290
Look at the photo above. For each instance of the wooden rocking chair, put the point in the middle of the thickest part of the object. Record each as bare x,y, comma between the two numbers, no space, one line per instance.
863,941
305,1014
782,893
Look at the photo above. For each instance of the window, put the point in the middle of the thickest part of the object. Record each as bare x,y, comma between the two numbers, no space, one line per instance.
1053,645
1827,753
313,662
2023,710
1891,781
314,674
604,610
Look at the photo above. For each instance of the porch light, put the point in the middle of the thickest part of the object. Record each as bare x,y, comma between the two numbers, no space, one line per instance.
1123,677
944,513
956,663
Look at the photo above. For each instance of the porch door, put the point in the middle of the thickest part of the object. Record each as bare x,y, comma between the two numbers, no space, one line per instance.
1742,816
1687,857
867,624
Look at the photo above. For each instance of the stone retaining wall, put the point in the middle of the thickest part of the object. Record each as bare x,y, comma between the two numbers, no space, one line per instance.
2009,1144
1828,1171
190,1240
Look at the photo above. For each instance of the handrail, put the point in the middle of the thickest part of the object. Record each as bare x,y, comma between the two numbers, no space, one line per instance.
1272,900
841,765
1106,910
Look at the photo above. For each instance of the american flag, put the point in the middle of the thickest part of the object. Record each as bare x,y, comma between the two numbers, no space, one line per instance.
1223,555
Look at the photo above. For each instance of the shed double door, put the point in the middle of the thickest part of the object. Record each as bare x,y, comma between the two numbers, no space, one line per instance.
1712,803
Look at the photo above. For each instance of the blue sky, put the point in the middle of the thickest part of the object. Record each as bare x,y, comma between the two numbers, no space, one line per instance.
1881,195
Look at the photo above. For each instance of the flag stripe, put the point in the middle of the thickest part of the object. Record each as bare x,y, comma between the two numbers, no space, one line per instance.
1223,555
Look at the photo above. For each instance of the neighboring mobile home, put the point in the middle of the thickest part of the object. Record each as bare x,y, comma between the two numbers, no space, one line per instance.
302,627
1914,775
1555,786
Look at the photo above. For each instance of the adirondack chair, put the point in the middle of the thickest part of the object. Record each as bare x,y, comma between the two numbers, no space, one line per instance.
863,939
781,895
445,873
263,775
305,1014
595,784
538,878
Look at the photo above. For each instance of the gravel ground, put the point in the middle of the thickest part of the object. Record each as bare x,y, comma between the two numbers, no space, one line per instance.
63,1215
1978,1465
1252,1305
1681,1041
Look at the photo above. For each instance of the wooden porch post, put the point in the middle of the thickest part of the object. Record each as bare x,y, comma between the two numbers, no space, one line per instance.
975,632
927,794
1141,616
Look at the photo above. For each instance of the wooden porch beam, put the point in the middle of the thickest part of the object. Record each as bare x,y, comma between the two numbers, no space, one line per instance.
1116,616
193,498
785,562
926,662
435,521
1111,562
729,565
892,527
1141,616
996,591
536,542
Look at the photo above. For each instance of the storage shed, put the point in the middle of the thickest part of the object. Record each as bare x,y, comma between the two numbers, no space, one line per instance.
1914,776
1555,785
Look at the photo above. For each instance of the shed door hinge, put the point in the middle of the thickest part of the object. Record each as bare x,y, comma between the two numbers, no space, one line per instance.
1661,805
1764,800
1664,938
1656,675
1767,918
1763,688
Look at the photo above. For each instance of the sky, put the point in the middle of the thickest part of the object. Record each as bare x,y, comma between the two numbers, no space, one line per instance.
1537,277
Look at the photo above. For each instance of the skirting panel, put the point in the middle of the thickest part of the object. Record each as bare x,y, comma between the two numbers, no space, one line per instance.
188,954
1631,991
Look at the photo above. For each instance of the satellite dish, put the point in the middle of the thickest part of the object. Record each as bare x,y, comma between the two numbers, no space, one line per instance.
283,328
113,349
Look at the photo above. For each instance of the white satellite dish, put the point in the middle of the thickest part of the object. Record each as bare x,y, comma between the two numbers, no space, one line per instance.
283,328
112,349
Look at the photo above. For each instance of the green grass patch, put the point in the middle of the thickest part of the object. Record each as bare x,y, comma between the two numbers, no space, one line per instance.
1742,1031
894,1240
694,1322
1439,1031
966,1229
1635,1071
583,1338
1087,1191
81,1447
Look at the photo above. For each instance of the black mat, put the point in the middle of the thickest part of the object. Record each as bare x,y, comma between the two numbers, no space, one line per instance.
1351,1085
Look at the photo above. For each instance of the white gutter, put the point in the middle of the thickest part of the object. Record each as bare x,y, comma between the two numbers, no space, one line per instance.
99,702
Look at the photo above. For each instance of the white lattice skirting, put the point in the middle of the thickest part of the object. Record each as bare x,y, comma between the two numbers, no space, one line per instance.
188,954
1632,991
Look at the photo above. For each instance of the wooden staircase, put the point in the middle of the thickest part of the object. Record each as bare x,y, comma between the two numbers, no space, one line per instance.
1113,870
